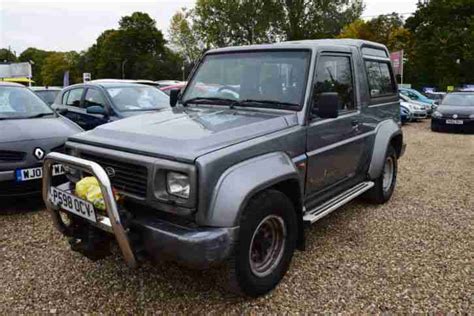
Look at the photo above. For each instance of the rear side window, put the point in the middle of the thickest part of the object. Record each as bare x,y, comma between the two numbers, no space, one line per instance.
74,97
380,78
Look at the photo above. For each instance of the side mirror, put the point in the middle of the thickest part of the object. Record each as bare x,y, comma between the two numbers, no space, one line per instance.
174,97
60,109
76,103
95,109
327,105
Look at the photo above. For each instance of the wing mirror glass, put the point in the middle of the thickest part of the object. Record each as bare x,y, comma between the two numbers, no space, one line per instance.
95,109
326,105
174,97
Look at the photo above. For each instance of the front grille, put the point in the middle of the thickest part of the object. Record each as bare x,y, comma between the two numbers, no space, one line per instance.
11,156
128,178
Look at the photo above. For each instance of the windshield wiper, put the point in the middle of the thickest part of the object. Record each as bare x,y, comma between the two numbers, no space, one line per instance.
267,103
210,100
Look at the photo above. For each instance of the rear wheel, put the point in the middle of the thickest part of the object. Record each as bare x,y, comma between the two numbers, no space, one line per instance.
385,183
267,240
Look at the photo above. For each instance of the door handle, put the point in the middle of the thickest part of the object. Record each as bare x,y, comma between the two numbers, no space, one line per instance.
355,123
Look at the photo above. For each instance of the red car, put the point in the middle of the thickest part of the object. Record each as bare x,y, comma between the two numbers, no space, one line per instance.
167,89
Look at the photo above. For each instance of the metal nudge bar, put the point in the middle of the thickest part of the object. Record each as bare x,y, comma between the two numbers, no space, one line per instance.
106,188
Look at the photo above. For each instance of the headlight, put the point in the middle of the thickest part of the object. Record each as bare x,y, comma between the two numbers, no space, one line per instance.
471,116
178,184
437,114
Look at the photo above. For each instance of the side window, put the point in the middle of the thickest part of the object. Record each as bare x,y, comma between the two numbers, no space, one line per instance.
334,74
94,97
380,79
74,97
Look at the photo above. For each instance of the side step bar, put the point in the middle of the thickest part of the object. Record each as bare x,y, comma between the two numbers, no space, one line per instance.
336,202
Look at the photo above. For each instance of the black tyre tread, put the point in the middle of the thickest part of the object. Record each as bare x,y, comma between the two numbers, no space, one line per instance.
376,195
261,201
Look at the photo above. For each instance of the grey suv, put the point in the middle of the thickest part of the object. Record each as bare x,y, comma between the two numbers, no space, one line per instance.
263,140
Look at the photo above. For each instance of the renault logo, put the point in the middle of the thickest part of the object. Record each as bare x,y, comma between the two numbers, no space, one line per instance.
110,171
455,116
39,153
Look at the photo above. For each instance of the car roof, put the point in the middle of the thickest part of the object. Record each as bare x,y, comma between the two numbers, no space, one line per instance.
303,44
38,88
10,84
107,84
137,81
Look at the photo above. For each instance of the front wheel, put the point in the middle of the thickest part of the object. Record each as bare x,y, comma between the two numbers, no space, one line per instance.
385,183
267,240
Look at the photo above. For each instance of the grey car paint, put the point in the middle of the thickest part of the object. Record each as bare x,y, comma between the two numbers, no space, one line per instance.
197,130
25,135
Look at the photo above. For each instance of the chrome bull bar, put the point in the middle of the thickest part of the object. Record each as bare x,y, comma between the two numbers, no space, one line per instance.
107,193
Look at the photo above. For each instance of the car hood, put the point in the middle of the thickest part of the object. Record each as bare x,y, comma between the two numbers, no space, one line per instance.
18,130
185,134
459,110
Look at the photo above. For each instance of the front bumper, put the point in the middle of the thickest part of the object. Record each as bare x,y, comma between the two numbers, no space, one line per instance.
419,114
198,247
9,187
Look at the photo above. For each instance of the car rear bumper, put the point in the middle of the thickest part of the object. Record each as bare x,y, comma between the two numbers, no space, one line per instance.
439,124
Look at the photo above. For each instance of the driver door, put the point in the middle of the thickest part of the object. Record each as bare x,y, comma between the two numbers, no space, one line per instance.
92,97
335,147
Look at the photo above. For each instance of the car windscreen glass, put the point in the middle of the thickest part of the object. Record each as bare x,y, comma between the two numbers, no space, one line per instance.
19,102
461,99
47,96
138,98
262,78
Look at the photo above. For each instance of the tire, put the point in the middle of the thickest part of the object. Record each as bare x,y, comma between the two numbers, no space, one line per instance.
434,128
247,272
381,193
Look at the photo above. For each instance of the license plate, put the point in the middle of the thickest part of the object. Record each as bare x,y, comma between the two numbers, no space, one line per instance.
455,122
36,173
72,204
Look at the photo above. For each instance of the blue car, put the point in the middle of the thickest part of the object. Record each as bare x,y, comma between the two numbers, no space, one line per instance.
417,96
95,103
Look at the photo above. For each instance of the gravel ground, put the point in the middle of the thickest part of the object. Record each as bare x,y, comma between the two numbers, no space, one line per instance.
414,254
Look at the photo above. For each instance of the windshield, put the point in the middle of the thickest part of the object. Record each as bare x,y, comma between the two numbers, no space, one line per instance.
414,95
276,77
138,98
47,96
459,99
19,102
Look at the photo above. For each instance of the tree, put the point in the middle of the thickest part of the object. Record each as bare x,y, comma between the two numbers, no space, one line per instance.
443,33
313,19
134,51
235,22
7,56
239,22
182,37
37,57
56,64
385,29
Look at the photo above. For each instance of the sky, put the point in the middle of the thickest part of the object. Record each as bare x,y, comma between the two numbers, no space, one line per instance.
75,24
